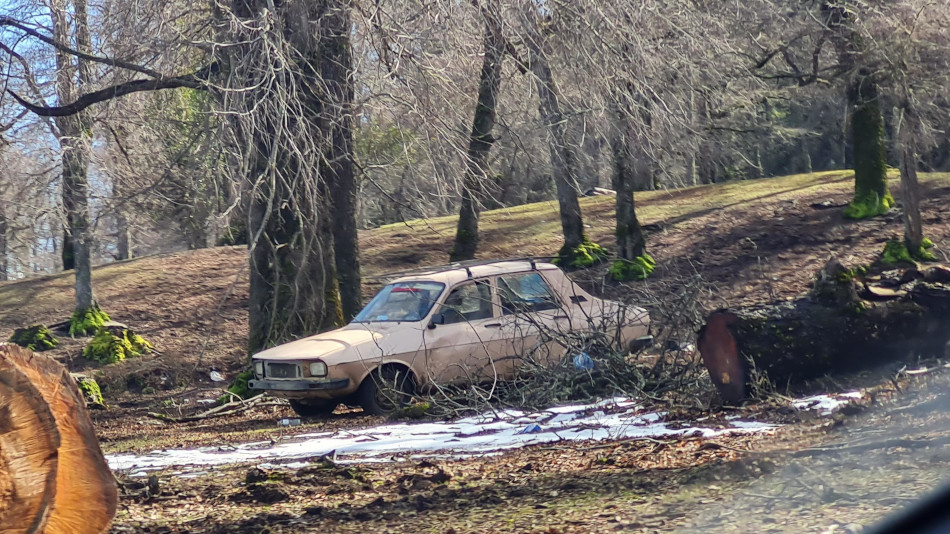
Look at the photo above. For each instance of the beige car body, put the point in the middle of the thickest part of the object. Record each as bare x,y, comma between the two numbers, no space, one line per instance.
474,350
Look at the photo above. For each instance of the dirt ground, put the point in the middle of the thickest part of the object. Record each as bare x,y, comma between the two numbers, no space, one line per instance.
749,242
815,474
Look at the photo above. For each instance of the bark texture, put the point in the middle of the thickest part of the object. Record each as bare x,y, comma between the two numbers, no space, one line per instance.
564,163
868,154
337,73
480,140
630,165
75,133
4,228
53,476
293,277
843,325
910,187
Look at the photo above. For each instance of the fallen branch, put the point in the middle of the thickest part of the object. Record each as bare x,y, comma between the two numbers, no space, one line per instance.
231,408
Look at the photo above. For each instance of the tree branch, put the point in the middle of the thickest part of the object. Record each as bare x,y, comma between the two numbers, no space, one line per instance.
9,21
195,80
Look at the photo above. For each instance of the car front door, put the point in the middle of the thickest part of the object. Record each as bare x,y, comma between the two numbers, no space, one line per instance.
465,342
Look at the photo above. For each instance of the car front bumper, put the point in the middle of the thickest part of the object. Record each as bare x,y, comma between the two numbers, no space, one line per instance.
299,385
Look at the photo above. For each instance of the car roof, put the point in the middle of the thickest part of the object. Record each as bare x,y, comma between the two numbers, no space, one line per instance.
453,274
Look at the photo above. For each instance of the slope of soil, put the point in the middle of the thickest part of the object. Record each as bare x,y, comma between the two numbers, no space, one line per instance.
752,240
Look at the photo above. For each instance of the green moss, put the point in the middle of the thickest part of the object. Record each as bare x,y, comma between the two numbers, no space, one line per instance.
36,338
926,243
584,255
850,274
107,347
239,388
414,411
90,390
638,269
87,322
871,205
236,234
896,251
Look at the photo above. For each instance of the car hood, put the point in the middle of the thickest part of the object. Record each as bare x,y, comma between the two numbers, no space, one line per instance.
352,342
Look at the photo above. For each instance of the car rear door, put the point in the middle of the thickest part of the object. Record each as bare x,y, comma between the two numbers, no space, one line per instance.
534,319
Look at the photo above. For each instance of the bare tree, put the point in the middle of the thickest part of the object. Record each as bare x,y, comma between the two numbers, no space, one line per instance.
481,139
72,76
564,163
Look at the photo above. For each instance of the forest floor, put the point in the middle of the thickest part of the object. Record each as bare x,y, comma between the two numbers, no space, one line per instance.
749,241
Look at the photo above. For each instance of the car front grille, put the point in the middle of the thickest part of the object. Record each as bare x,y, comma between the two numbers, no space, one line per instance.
283,370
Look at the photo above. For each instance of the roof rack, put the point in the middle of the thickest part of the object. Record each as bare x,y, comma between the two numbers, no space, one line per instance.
467,265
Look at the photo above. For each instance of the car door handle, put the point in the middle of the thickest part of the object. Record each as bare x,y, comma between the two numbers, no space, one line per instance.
557,317
493,325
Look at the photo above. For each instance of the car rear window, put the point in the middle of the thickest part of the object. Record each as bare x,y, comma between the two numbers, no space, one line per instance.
402,301
525,293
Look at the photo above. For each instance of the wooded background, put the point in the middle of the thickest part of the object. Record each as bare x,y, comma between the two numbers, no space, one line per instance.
136,127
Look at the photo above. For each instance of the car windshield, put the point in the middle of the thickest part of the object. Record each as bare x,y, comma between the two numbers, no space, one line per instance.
402,301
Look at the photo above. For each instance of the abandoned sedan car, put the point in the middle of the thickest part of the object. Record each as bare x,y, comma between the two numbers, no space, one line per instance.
458,323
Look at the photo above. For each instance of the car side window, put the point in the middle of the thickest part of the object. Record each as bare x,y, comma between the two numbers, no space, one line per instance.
525,293
468,303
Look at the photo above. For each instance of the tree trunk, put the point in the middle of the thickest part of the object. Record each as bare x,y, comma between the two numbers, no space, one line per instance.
833,329
563,156
480,140
4,228
631,243
53,473
337,74
123,238
706,166
869,152
293,278
871,196
75,131
910,188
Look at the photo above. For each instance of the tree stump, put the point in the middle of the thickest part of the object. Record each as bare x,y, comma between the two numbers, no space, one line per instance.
846,323
53,476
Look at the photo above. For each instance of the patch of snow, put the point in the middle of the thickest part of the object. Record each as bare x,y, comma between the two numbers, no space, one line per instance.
471,436
827,404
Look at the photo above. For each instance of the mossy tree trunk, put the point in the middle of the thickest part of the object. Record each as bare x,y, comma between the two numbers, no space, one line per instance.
627,166
337,73
481,139
871,196
75,132
868,153
563,156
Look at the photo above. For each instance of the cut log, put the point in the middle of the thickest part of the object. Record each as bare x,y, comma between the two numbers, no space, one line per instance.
53,476
832,329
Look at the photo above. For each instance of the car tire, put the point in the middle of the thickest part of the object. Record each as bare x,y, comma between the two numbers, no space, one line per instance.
385,390
313,408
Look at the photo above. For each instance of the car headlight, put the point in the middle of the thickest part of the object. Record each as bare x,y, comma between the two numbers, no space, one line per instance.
318,369
259,369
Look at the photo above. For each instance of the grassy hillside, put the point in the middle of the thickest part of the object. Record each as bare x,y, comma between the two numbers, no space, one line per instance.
753,240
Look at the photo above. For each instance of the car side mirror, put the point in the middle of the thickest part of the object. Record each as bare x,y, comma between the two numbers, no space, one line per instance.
436,320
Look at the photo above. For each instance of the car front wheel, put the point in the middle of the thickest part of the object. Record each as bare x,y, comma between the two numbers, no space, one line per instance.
385,390
313,408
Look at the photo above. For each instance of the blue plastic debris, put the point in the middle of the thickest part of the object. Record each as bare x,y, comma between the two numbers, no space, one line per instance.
533,428
583,362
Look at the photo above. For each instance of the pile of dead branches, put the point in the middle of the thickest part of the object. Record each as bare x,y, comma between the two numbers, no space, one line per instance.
595,365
